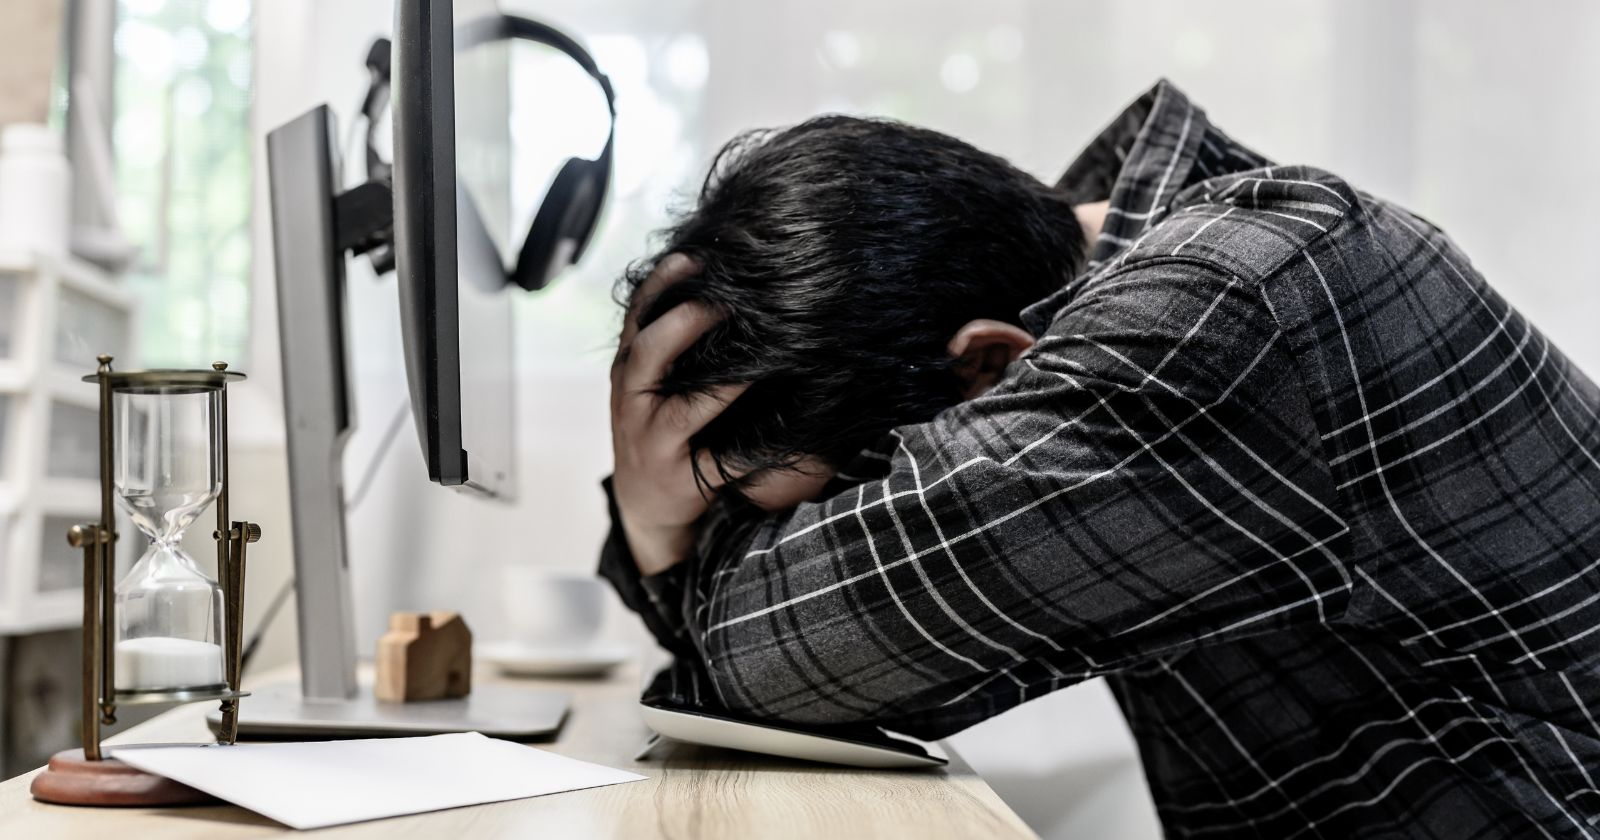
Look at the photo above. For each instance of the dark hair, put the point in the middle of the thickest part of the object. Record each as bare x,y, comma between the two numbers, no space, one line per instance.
843,254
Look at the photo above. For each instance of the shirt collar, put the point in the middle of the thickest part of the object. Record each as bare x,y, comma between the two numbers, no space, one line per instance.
1144,158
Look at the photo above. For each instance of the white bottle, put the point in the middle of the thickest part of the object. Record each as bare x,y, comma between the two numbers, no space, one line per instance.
35,191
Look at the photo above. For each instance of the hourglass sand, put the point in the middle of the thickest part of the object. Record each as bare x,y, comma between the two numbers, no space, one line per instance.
167,633
167,471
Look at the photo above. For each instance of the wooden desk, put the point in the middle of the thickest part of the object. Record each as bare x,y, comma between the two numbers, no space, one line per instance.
692,793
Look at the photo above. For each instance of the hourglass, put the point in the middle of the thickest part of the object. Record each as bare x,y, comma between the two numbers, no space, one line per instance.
166,633
167,469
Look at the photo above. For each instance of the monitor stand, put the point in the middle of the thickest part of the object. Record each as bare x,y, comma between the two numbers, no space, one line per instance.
313,225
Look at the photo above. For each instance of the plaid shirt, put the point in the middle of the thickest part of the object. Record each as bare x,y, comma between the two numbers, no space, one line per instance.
1322,507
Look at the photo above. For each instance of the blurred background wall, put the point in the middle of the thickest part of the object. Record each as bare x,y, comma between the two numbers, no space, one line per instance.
1480,116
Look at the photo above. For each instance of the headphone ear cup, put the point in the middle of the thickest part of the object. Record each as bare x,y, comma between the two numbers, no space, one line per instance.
563,225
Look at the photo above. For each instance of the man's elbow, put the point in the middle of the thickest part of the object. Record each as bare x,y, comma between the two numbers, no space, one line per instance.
798,678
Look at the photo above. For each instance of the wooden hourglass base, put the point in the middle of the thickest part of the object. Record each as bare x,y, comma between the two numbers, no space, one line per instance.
72,779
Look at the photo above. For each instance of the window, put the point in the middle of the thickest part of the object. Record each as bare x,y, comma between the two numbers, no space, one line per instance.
181,134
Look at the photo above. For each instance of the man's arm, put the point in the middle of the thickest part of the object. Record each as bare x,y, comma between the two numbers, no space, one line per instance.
1147,479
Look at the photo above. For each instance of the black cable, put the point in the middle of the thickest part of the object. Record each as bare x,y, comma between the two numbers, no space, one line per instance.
372,104
354,500
397,423
265,622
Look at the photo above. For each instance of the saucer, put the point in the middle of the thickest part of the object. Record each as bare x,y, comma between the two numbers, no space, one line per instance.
515,659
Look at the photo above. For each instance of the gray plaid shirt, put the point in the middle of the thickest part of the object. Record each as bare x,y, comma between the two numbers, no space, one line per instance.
1282,466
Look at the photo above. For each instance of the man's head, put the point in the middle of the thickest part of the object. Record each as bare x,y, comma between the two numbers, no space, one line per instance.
868,273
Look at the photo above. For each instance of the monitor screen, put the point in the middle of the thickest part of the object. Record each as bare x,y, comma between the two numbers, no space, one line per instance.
452,209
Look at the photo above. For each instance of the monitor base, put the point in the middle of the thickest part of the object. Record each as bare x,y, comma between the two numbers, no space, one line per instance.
516,713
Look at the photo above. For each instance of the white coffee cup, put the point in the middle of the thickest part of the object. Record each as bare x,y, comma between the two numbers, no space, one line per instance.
548,609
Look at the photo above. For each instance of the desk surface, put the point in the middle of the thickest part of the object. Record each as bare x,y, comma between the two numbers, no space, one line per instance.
692,792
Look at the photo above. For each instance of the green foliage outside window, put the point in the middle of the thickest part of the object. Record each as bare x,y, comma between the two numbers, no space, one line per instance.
181,135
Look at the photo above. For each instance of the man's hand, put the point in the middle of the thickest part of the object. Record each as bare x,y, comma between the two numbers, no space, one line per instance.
653,481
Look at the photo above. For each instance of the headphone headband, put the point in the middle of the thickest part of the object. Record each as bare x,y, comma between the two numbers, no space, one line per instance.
567,217
507,27
569,211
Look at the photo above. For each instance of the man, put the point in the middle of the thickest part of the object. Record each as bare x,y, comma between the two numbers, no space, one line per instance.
1274,459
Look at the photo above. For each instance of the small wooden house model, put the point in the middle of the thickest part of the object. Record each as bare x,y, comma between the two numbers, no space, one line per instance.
424,656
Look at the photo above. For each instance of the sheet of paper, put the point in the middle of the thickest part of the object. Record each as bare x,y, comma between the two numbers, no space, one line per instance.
323,783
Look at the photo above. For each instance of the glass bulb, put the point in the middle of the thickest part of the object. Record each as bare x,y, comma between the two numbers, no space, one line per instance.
167,471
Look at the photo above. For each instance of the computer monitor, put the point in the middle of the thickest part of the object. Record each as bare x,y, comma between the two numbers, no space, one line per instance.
447,220
452,176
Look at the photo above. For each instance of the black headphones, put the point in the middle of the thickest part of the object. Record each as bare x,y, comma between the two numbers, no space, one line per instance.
567,217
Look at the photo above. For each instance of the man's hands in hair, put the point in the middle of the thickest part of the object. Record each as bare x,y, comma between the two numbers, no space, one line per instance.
653,480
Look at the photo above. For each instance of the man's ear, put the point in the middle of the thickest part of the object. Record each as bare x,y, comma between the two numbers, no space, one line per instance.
982,348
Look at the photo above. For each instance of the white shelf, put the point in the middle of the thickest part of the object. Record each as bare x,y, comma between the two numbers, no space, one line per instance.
70,495
53,611
70,269
34,505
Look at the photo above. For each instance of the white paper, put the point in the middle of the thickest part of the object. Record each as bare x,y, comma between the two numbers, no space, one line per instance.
323,783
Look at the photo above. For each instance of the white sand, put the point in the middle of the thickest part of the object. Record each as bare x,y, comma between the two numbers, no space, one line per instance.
167,662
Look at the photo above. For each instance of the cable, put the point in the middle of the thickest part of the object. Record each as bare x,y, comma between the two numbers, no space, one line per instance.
375,99
371,105
351,503
265,622
396,423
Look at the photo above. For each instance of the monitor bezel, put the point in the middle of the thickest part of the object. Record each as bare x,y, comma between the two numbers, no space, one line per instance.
425,228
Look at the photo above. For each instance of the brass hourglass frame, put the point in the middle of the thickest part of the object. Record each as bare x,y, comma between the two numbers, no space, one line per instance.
98,540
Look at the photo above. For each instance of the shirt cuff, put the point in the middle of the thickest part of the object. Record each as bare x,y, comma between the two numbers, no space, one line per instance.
658,598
